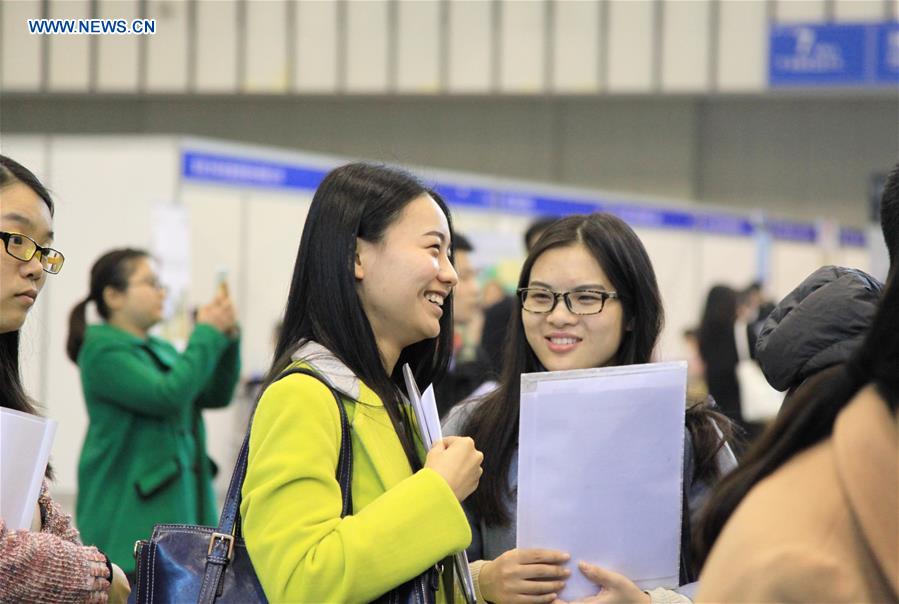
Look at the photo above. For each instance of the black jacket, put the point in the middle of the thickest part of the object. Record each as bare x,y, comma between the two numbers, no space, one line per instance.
818,325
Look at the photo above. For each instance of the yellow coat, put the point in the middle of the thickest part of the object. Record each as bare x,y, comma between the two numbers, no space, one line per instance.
302,550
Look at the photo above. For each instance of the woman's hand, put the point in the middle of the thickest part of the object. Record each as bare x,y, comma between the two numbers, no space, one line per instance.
458,462
36,525
524,575
614,588
118,588
220,314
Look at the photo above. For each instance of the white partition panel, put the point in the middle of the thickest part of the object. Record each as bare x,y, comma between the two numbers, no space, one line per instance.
496,237
742,46
685,45
674,256
69,55
418,41
631,45
118,56
167,49
315,41
792,262
800,11
471,46
21,53
265,67
523,46
576,46
367,25
861,10
725,260
217,228
855,257
272,236
216,46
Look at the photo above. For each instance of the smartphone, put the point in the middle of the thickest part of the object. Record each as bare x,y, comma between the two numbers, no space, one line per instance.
221,281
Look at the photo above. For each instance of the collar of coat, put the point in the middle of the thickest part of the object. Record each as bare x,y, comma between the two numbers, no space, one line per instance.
335,372
866,448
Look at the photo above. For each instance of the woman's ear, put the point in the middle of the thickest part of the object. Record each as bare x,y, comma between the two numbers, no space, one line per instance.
113,298
630,325
357,259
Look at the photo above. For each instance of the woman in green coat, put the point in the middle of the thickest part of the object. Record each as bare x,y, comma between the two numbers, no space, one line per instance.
144,457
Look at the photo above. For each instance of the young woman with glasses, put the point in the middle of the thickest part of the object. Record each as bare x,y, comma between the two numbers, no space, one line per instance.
144,458
371,291
47,563
587,298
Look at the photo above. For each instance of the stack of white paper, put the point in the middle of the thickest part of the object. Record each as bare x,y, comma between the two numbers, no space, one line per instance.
599,470
25,442
428,419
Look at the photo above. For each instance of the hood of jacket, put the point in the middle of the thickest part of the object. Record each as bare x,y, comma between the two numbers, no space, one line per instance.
819,324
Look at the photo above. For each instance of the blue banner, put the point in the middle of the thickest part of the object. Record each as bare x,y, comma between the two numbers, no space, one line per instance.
241,171
888,53
834,54
230,170
850,237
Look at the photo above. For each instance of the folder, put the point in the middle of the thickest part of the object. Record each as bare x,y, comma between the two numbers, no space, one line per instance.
25,443
424,406
600,467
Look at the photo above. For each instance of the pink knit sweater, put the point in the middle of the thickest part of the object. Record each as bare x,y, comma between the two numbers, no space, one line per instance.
52,565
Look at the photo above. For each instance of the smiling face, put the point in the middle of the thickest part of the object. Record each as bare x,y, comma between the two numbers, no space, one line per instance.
563,340
21,211
404,279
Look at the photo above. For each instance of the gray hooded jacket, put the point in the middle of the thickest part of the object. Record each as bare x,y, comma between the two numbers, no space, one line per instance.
819,324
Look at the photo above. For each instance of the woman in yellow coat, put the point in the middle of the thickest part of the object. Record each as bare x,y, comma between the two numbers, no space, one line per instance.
371,290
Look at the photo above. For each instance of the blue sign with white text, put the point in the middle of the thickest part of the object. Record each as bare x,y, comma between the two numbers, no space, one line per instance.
888,53
834,54
817,54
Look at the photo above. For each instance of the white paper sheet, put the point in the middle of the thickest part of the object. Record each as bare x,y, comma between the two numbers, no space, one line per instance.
428,419
600,470
25,443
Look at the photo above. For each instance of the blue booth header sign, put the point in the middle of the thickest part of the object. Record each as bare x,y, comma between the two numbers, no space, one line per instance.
232,170
849,54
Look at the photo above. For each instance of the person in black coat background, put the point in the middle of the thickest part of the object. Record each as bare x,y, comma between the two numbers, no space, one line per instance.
718,348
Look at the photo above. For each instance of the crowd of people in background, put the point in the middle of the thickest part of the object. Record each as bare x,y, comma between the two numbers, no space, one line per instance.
790,441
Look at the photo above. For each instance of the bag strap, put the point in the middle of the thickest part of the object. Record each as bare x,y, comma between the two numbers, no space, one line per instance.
221,544
688,573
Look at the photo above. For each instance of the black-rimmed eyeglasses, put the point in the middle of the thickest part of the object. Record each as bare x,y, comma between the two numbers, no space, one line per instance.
580,302
22,247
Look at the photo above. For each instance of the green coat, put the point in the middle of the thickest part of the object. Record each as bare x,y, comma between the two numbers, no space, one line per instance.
144,457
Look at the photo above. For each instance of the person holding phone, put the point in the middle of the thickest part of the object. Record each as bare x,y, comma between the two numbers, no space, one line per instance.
144,458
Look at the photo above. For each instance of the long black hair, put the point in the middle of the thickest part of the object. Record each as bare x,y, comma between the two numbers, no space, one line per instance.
112,269
12,394
357,200
717,343
810,418
494,422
